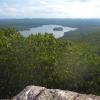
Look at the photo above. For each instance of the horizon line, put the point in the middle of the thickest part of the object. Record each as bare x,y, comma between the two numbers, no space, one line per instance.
47,18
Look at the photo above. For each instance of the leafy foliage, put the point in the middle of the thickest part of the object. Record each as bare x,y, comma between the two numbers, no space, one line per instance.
46,61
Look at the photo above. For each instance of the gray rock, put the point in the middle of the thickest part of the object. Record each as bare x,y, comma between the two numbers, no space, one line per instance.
41,93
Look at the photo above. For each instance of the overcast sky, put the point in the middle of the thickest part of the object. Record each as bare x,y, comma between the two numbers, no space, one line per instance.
49,8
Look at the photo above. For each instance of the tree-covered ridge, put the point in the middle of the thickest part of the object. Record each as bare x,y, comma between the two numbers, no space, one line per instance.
46,61
84,25
91,38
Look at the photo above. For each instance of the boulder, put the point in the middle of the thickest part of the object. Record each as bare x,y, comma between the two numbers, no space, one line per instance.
42,93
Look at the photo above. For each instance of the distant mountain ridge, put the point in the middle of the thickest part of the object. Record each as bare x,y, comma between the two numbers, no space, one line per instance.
22,24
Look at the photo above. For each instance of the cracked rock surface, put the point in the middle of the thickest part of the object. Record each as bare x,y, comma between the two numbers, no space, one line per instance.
42,93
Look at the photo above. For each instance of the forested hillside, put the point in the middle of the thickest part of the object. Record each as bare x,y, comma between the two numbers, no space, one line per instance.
91,38
84,25
46,61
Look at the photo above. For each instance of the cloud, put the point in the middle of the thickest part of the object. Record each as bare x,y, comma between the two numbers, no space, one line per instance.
51,9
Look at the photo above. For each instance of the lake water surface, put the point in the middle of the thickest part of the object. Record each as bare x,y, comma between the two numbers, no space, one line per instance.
48,29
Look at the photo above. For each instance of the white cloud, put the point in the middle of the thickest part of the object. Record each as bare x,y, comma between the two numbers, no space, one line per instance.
52,8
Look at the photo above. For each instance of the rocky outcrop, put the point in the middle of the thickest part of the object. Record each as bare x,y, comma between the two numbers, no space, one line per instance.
41,93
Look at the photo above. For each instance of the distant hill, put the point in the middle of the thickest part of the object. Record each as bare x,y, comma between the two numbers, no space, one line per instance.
89,37
22,24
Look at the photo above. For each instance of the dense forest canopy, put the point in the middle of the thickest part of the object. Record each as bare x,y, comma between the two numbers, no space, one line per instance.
50,62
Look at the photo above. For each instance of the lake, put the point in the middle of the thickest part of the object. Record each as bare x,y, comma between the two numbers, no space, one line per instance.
48,29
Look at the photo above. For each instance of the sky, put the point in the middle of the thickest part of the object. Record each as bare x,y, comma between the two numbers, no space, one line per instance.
49,8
